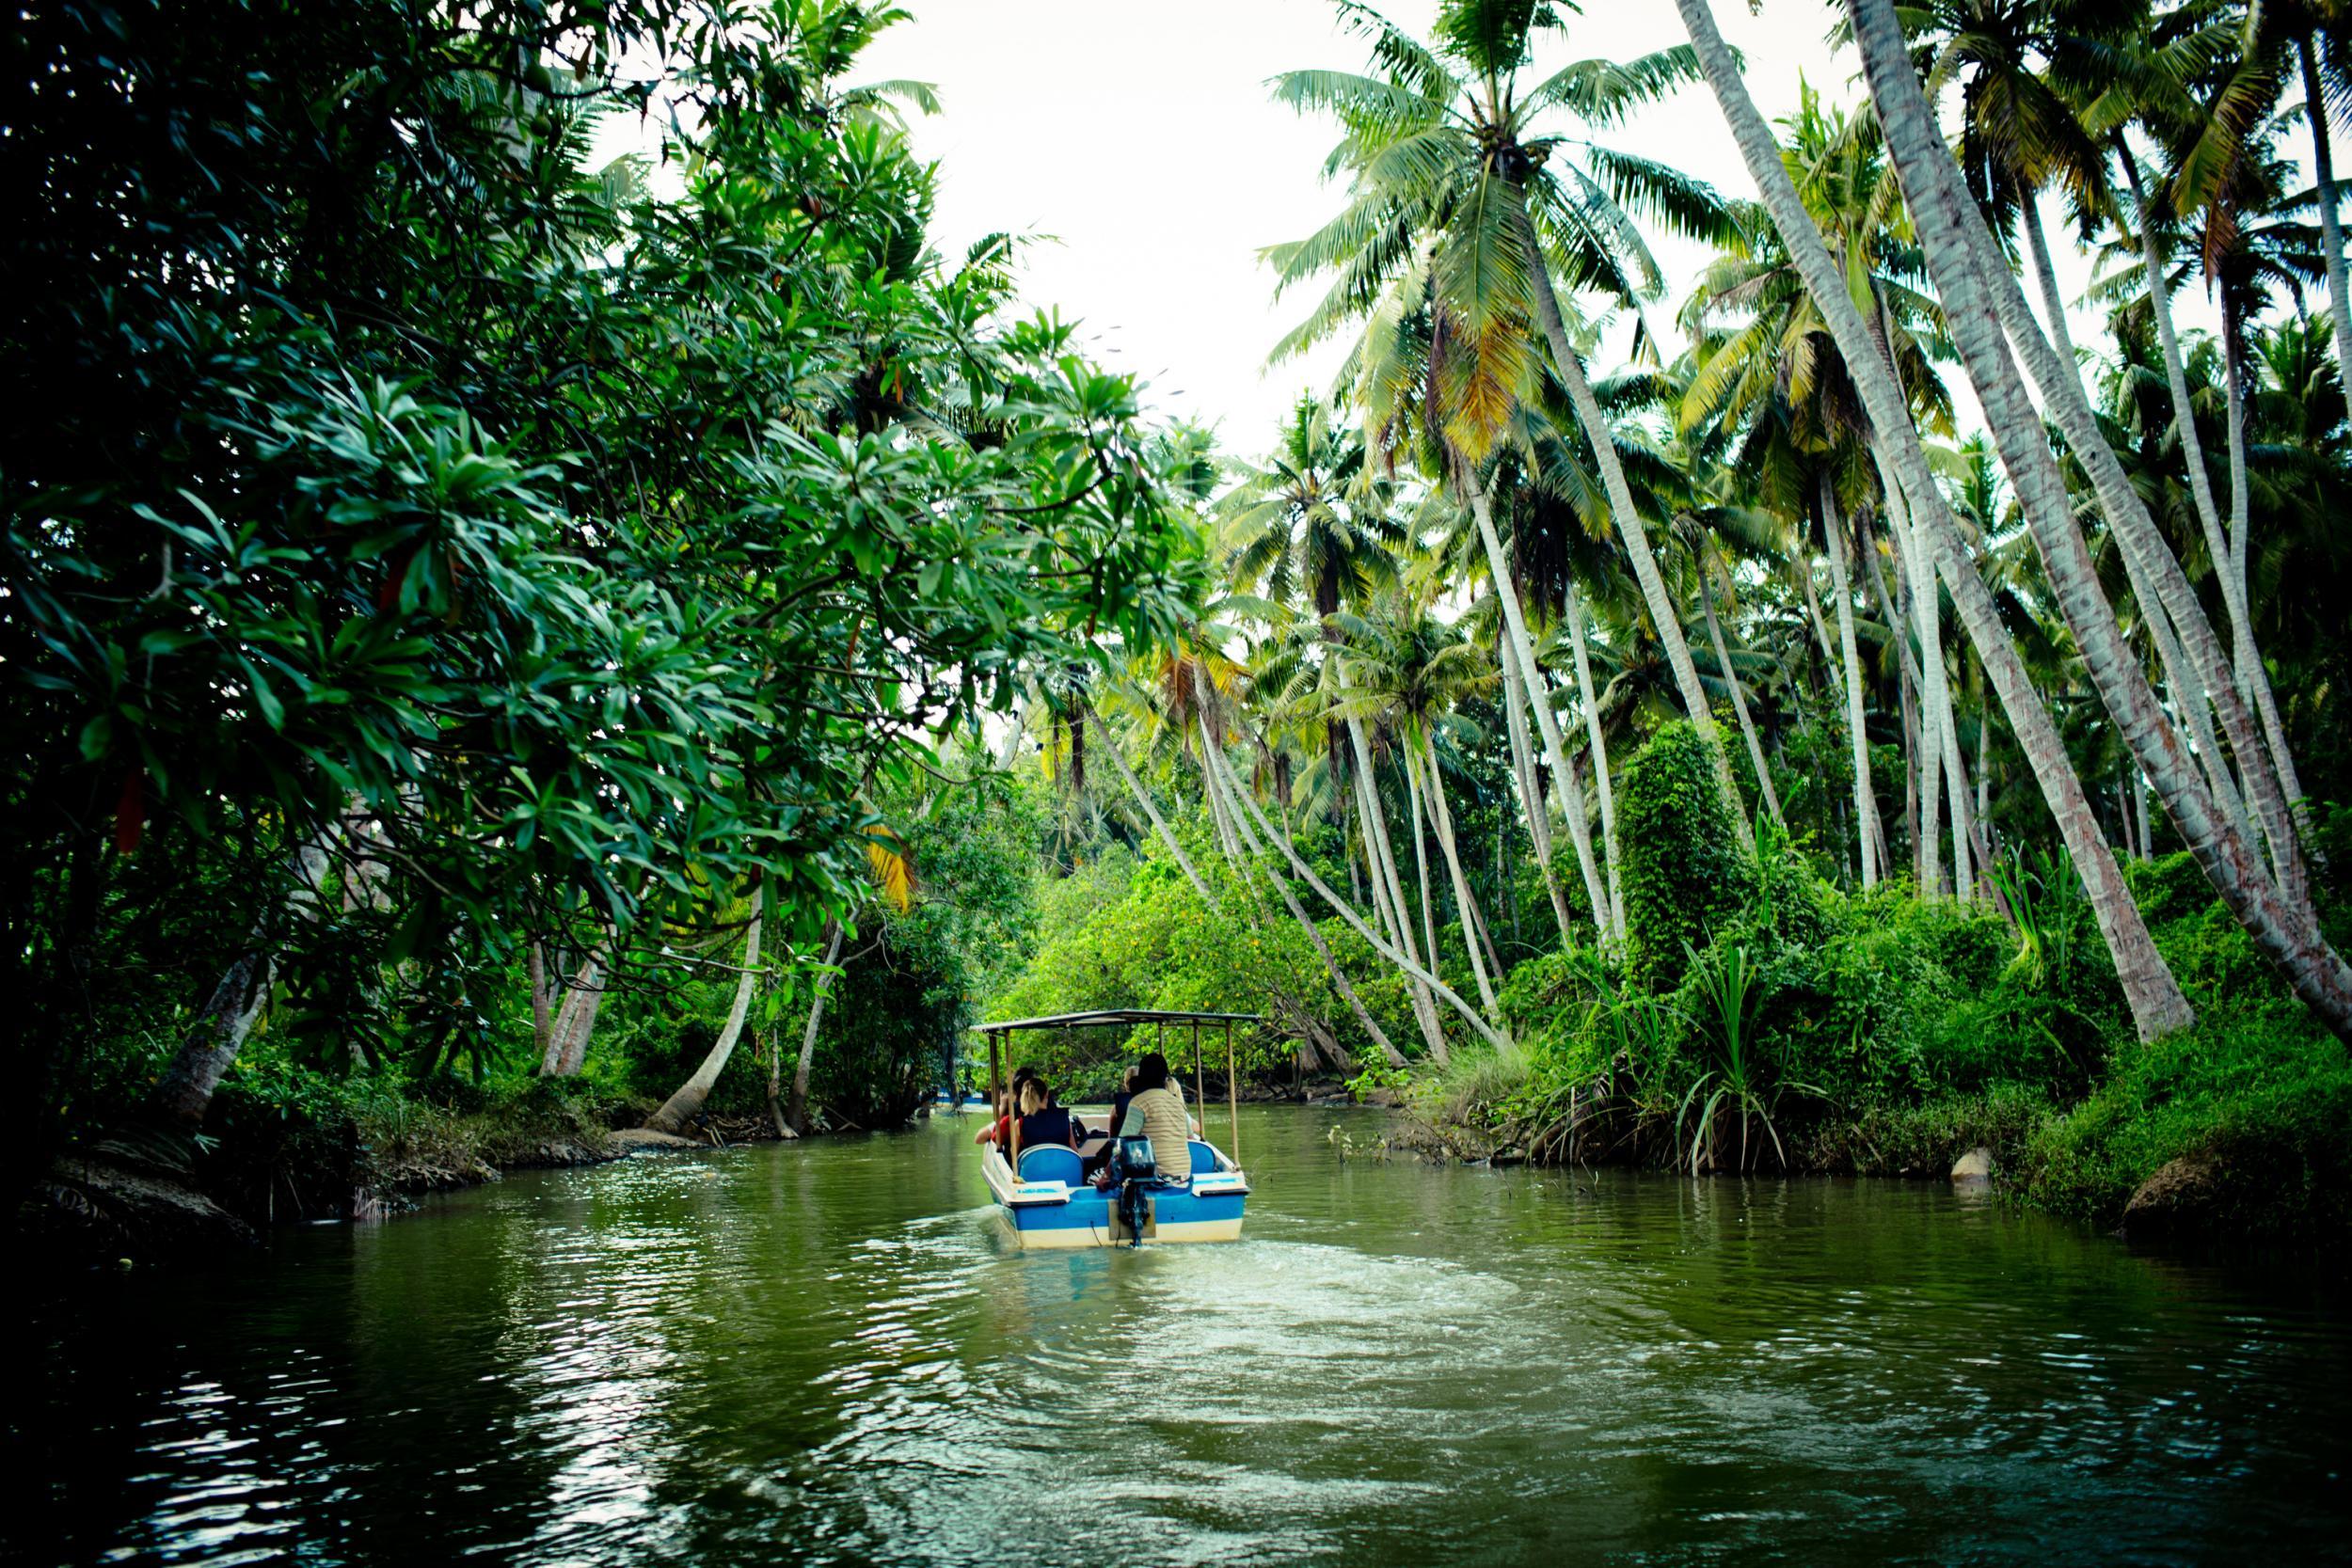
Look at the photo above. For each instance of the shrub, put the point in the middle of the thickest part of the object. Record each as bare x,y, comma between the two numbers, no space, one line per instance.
1685,871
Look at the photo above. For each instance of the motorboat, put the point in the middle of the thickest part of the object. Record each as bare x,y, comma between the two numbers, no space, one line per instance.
1044,1194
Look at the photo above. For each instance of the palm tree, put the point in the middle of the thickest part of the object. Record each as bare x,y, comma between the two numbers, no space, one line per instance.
2154,996
1444,148
1407,671
1953,238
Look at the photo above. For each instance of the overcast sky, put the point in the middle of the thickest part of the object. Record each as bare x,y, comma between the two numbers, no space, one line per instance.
1144,140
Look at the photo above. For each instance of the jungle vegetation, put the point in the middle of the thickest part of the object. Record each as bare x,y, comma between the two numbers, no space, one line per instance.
496,628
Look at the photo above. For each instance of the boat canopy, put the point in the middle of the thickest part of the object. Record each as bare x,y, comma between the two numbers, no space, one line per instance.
1113,1015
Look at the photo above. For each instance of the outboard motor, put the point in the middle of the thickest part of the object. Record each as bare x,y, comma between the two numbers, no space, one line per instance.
1136,1171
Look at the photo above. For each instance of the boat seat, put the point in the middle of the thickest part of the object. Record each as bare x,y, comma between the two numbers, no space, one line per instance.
1203,1159
1052,1163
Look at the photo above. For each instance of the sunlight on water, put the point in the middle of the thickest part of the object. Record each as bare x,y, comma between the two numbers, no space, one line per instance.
831,1353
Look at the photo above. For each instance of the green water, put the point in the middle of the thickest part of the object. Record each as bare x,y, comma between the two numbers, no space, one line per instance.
827,1353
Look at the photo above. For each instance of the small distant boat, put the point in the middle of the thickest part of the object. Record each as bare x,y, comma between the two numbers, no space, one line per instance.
1050,1204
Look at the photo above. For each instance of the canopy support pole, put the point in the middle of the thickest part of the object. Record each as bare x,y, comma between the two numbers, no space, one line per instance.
1199,1084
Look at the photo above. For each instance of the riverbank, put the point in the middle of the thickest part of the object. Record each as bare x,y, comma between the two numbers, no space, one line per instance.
2233,1132
278,1152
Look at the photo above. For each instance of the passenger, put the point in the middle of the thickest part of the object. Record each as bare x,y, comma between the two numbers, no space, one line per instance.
999,1131
1157,1112
1041,1120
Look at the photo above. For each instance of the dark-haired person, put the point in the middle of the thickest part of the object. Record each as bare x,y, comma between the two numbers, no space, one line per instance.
1157,1112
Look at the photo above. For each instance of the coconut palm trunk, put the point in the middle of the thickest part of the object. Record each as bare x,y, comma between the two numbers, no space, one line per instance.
681,1108
2331,223
1865,796
2254,682
2149,987
1631,533
1383,870
1939,752
1522,648
1739,702
1463,903
2191,657
1941,213
1417,810
1598,745
1389,1053
1409,967
1523,773
792,1119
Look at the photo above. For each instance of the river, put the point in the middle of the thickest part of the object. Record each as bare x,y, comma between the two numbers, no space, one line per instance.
826,1353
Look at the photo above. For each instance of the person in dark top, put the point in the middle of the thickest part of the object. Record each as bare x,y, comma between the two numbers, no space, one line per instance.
1119,1114
1041,1120
999,1131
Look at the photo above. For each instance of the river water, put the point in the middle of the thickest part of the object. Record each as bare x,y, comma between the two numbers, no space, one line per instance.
828,1353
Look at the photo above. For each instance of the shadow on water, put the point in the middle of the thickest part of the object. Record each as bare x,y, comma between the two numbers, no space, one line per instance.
830,1353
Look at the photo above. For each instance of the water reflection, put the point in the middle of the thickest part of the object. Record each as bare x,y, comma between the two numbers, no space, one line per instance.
827,1353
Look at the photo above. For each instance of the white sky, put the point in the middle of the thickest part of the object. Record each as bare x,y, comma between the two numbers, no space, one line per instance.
1144,140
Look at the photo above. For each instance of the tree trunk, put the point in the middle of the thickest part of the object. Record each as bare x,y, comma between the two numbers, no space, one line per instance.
1524,772
541,1026
1389,1053
1522,647
681,1108
1462,901
1150,812
1939,750
1865,802
2154,997
1411,969
2330,230
2252,681
1420,855
571,1041
184,1092
1631,533
1941,213
1600,747
1739,704
1384,871
794,1121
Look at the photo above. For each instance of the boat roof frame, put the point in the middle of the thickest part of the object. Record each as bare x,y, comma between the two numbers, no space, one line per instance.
1111,1016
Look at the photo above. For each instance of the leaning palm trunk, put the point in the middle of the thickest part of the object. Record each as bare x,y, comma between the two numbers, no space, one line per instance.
1462,901
2330,230
1941,213
1151,812
686,1103
2252,680
1599,746
1421,856
1631,532
2149,987
2191,656
1522,648
1384,871
1938,749
1389,1053
793,1119
1739,704
1523,773
575,1029
1864,798
1222,779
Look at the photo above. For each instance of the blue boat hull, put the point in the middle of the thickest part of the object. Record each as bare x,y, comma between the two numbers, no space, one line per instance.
1052,1215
